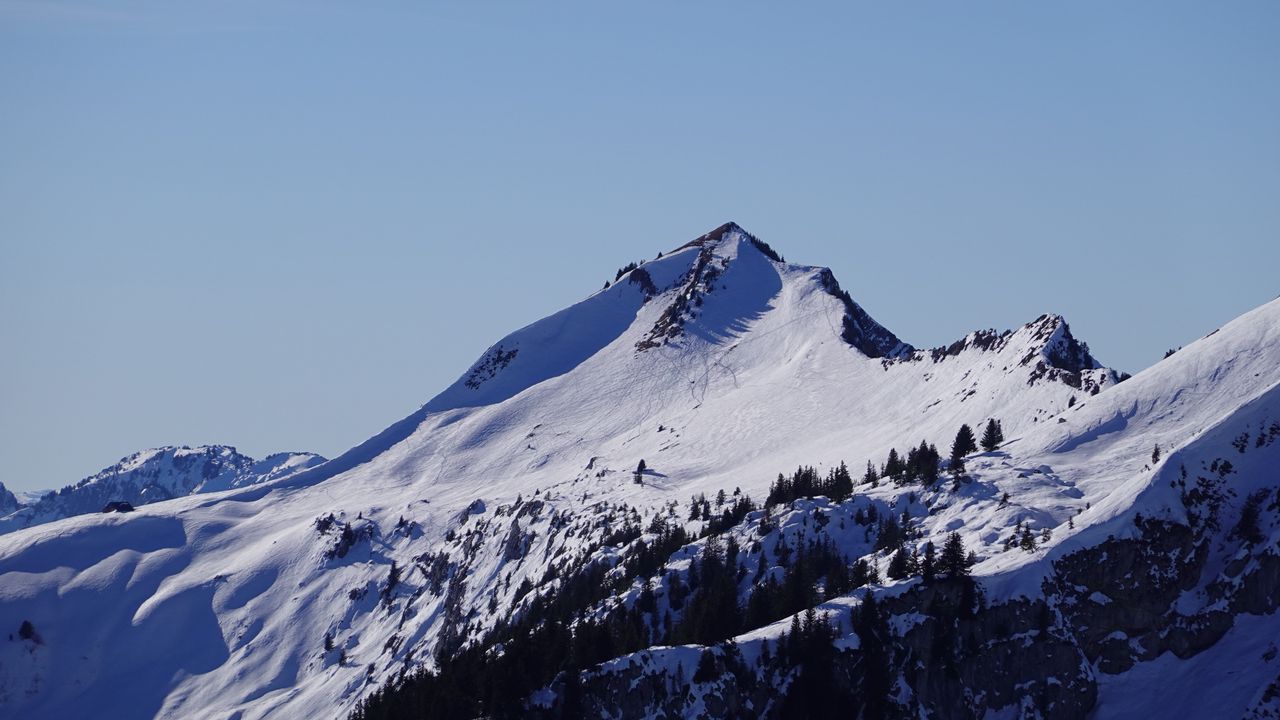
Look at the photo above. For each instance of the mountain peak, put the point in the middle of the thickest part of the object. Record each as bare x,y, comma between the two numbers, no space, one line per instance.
731,231
1050,340
719,233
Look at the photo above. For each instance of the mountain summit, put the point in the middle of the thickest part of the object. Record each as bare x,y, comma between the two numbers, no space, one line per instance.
579,524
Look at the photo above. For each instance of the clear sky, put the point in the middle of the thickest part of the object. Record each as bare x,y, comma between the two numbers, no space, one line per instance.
284,225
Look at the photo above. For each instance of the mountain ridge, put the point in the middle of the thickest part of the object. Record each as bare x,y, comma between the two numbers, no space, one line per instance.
563,456
154,475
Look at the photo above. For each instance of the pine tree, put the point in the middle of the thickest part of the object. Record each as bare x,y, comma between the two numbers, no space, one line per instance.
964,444
841,483
873,634
1028,541
992,437
893,467
1155,455
928,563
706,670
954,562
899,565
870,477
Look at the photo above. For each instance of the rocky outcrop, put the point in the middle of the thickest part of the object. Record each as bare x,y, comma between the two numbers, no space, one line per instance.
1103,609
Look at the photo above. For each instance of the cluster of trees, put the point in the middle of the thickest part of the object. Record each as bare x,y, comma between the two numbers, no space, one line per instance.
728,512
804,568
922,462
1024,538
953,563
624,270
837,484
815,691
555,633
920,465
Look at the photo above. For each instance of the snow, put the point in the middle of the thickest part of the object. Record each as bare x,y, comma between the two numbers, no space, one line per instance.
216,603
152,475
1220,682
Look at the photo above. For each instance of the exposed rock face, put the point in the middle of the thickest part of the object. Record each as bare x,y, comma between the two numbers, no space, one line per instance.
860,330
960,665
1105,608
696,283
8,501
1122,597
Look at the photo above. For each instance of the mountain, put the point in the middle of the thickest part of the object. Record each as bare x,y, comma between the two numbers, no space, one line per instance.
8,501
151,476
547,536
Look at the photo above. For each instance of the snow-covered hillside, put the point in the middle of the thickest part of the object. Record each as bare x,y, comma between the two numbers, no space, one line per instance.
151,476
719,366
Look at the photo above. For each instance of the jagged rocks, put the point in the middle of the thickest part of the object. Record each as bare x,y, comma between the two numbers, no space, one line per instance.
516,544
858,329
1121,598
670,324
961,664
489,366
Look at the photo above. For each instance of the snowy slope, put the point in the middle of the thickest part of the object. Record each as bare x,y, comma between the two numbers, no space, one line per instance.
717,364
151,476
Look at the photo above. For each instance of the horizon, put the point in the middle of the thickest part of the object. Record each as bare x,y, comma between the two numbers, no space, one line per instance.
29,492
283,231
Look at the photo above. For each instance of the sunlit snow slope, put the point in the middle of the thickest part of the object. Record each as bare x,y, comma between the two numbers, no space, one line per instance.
717,364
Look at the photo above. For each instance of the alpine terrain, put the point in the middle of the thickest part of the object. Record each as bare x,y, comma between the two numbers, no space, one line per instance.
151,476
718,488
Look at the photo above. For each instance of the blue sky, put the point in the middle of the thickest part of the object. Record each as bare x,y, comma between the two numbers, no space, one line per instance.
284,225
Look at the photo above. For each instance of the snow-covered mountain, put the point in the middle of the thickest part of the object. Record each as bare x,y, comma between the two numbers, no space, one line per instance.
8,501
546,523
151,476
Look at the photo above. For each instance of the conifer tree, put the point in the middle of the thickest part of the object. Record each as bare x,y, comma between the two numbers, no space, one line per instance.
1028,541
929,563
870,477
893,467
900,565
706,670
963,445
841,483
927,458
954,562
873,634
992,436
